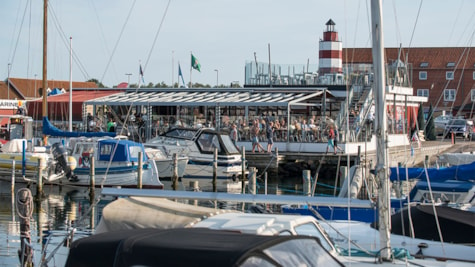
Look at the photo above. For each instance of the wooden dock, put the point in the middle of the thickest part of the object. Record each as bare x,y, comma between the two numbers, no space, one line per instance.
293,163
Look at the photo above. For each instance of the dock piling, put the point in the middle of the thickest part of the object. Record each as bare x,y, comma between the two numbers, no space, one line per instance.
175,172
39,184
243,169
215,170
139,171
92,173
307,184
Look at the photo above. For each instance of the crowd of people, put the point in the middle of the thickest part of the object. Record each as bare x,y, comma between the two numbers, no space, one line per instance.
262,130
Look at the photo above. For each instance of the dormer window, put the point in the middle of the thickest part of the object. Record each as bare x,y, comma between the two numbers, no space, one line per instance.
424,65
449,75
450,64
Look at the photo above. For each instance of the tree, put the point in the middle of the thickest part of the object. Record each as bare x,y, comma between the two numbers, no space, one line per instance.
430,128
420,117
96,81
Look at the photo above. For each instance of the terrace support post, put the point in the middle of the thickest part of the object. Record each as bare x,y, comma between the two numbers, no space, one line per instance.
215,170
13,177
92,172
175,172
139,171
252,180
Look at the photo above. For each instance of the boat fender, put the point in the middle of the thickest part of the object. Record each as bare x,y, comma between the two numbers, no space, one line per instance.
72,163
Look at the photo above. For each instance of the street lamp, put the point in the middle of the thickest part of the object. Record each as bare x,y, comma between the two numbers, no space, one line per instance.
217,74
35,84
128,79
8,81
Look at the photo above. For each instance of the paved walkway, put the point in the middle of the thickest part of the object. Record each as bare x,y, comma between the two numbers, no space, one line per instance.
430,150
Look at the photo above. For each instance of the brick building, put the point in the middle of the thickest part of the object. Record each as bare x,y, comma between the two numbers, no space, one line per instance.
446,75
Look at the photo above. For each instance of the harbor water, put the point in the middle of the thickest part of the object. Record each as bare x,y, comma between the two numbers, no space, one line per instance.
60,209
54,214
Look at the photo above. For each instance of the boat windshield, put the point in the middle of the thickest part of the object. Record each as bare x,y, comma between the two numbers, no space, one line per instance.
208,142
181,133
229,145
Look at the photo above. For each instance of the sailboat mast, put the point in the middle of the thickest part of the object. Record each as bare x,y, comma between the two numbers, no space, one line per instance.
381,129
45,53
45,66
70,84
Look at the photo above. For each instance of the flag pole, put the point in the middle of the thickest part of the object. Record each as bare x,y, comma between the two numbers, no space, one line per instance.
191,69
173,69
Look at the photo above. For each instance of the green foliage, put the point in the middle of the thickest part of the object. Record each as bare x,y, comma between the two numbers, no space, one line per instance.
430,128
420,117
96,81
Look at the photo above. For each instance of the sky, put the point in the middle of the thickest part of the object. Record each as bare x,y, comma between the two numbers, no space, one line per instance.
112,38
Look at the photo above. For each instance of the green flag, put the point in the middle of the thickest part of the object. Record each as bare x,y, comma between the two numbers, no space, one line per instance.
195,64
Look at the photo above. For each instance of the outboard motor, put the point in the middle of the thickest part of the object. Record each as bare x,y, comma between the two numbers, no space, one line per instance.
61,156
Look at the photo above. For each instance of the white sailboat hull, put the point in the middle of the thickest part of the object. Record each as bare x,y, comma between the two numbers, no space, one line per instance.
366,237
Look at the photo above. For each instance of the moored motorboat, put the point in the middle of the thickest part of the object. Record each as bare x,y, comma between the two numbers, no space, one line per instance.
199,145
116,163
166,163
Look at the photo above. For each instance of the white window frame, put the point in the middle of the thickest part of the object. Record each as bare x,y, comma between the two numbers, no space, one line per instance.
423,75
423,92
450,95
474,75
472,95
449,75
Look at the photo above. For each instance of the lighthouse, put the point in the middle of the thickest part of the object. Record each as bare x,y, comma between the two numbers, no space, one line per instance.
330,53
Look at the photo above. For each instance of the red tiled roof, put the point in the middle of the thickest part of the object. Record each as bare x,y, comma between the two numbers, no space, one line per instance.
60,103
26,87
4,92
437,57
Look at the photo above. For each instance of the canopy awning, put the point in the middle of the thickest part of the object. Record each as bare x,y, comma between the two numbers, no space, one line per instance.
216,97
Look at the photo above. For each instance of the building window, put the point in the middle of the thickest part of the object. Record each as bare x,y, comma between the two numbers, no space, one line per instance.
449,75
424,64
449,95
472,95
423,92
450,64
422,75
474,75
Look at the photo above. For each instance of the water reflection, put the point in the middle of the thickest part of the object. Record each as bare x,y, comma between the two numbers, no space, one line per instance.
55,214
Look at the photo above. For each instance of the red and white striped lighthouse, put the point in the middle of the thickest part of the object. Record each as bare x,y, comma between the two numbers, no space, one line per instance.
330,53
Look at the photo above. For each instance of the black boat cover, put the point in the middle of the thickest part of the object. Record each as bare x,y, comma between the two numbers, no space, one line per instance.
196,247
457,226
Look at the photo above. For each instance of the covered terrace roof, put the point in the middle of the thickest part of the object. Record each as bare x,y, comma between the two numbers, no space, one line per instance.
216,97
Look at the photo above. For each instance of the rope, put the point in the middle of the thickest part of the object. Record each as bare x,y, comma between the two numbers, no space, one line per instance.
24,208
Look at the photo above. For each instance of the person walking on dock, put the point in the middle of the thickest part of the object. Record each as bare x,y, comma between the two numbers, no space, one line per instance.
255,137
331,138
234,134
270,135
336,139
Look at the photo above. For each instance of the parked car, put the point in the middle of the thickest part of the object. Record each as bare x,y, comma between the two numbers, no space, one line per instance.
440,122
459,127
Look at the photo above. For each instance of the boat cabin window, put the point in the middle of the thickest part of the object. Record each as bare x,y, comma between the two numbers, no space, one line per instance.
84,148
106,149
208,142
441,197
